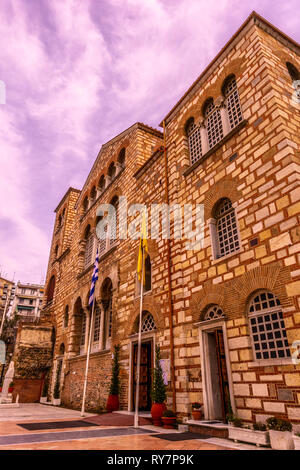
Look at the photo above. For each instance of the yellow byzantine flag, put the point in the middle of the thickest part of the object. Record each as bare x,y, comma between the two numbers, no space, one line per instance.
143,249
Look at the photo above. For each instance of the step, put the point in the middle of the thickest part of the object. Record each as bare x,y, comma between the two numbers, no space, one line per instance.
208,428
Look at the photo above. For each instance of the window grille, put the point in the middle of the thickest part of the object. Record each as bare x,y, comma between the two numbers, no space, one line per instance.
89,247
194,142
83,329
148,323
213,124
109,318
214,312
267,327
227,232
103,242
97,324
233,103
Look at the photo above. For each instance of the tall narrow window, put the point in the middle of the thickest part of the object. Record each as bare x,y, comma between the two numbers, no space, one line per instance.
269,338
97,322
106,293
50,289
83,333
193,133
93,194
214,126
121,157
113,222
85,204
101,184
112,171
233,104
66,317
89,247
227,238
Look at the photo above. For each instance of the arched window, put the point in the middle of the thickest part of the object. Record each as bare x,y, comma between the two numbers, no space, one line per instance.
59,221
113,227
56,251
269,338
50,289
101,184
93,194
121,157
233,104
193,133
85,204
213,123
224,230
66,317
89,247
112,170
214,312
62,349
148,323
83,334
97,323
293,71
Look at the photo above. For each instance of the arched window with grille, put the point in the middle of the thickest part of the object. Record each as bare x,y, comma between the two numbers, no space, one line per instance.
97,327
89,247
83,333
233,105
213,123
213,312
122,156
193,133
268,333
224,229
148,323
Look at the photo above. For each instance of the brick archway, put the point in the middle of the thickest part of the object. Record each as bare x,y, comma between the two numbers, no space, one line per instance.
210,294
225,188
148,305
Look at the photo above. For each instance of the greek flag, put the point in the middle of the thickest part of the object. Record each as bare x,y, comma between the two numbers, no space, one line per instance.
94,280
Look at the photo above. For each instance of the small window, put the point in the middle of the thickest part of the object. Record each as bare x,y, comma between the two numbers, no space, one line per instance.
101,184
293,71
226,229
85,204
93,194
269,338
66,317
112,170
213,122
148,323
121,157
214,312
56,251
234,109
193,133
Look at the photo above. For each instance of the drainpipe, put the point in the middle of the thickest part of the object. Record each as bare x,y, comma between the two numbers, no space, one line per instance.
169,279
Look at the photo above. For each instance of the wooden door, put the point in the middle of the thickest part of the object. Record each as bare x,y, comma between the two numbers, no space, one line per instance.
145,376
223,376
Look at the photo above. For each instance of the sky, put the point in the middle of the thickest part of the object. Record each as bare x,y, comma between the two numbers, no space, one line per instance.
77,73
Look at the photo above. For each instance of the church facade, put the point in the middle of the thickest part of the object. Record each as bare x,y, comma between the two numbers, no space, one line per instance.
226,314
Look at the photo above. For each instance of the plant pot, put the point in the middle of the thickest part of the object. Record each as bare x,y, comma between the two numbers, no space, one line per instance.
169,422
259,438
157,410
197,415
297,442
43,399
10,389
56,401
281,440
112,403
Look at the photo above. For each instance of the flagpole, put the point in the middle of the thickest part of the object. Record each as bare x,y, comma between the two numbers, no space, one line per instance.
136,414
88,354
87,359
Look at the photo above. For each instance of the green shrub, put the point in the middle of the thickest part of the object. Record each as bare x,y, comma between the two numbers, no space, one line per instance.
235,421
158,393
259,427
196,405
114,388
11,384
277,424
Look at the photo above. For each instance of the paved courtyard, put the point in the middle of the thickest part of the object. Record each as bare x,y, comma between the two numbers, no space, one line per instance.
93,437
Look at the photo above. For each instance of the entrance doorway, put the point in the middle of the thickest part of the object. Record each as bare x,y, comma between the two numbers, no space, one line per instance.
218,376
145,376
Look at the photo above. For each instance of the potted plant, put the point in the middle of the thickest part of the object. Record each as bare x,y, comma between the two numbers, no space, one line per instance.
281,436
196,411
238,432
44,396
297,440
11,387
114,389
169,419
158,392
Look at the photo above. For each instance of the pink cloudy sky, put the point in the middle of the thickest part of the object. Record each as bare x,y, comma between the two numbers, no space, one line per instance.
78,72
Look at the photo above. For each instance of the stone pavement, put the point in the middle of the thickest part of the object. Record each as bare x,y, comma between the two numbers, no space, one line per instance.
95,437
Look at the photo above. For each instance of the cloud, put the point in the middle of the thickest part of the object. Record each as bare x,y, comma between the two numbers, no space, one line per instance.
77,72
